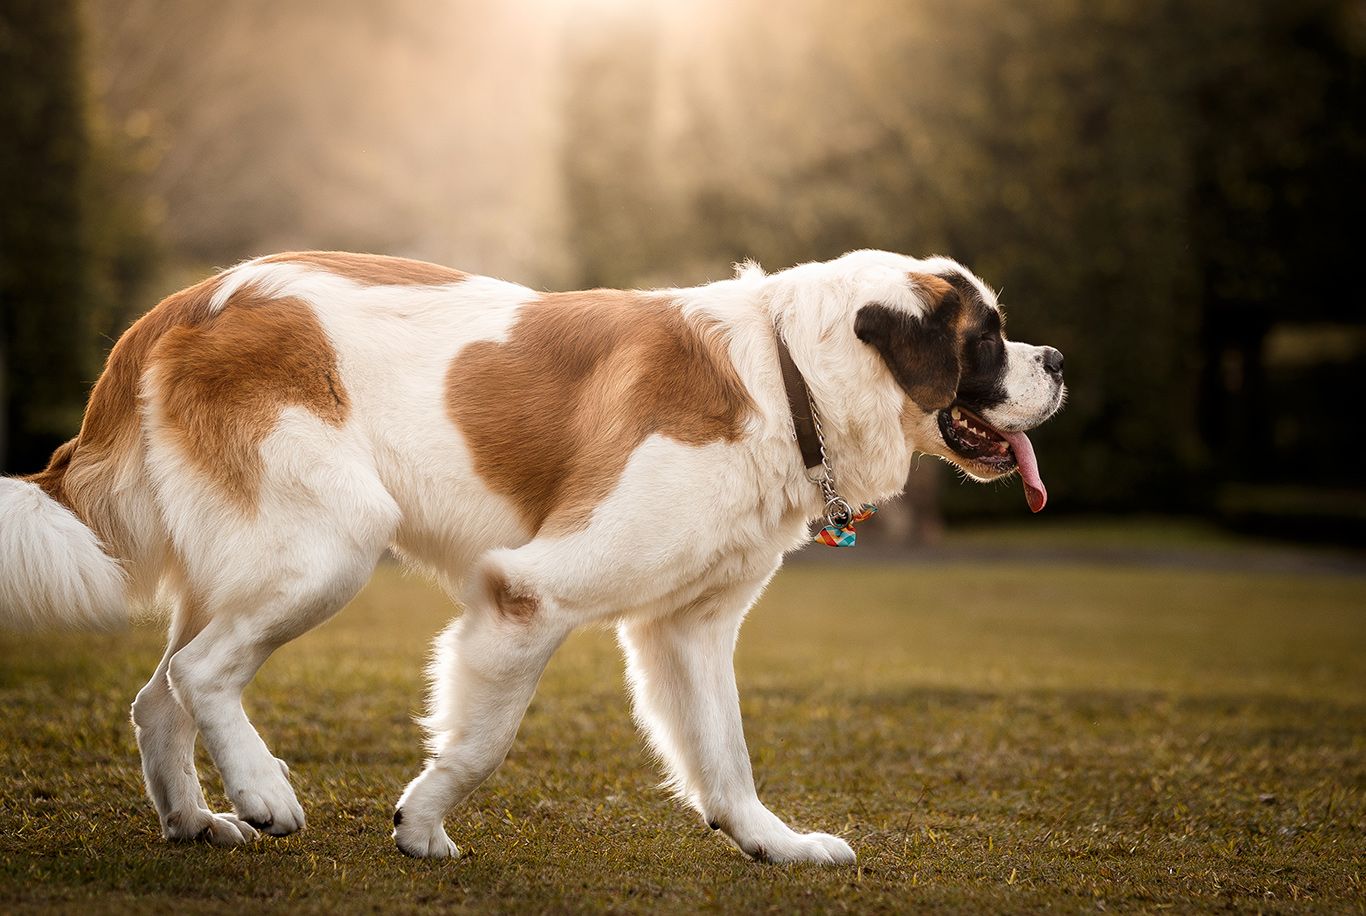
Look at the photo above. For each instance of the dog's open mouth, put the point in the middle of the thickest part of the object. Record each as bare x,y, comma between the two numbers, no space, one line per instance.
974,438
968,435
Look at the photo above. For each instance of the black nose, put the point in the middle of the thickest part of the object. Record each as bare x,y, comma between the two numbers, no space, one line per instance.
1052,361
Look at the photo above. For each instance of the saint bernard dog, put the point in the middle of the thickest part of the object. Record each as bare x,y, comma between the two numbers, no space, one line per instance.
258,441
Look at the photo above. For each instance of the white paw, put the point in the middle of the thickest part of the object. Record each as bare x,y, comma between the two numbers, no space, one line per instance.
820,848
764,837
782,847
421,841
202,824
268,802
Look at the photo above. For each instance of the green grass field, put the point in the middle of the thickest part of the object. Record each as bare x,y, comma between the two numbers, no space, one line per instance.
989,737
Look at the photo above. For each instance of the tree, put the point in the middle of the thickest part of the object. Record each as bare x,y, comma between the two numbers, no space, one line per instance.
45,281
1120,169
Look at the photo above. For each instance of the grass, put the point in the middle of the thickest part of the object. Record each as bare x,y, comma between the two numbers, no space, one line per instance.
988,737
1139,534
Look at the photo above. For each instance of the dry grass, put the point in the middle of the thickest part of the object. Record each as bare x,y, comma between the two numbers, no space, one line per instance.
989,737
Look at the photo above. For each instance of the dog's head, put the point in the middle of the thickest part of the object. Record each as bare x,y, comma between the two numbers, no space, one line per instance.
972,393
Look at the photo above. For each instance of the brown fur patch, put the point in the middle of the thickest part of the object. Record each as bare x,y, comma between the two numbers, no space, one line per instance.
373,269
939,290
553,414
222,384
78,474
935,357
922,353
936,286
111,416
52,479
509,603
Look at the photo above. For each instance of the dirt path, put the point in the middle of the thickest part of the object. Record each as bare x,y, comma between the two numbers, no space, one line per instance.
1287,560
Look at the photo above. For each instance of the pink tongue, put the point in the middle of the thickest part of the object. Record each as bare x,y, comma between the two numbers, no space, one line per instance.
1035,493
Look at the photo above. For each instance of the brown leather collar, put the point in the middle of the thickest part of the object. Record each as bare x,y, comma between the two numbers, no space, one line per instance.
799,402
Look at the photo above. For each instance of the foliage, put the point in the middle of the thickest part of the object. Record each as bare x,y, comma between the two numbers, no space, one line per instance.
45,337
406,127
76,244
1122,170
1152,183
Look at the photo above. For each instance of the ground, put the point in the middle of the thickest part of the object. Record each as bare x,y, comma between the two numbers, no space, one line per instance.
993,734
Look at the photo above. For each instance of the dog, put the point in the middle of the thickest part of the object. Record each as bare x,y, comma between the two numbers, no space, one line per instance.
258,441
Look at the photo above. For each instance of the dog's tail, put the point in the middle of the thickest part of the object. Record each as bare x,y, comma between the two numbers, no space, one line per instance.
54,570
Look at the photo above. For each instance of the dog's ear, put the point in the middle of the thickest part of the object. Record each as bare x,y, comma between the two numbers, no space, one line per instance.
921,352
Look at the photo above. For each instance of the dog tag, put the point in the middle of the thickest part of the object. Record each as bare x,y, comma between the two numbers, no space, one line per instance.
845,536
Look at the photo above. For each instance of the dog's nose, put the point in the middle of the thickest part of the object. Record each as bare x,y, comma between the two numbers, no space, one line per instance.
1052,361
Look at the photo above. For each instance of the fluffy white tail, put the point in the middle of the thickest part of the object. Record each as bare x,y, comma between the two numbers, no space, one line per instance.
53,571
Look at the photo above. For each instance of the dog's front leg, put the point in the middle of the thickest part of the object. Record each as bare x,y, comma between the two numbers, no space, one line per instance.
683,682
486,669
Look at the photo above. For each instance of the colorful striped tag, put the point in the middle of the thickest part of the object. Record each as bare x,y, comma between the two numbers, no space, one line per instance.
831,536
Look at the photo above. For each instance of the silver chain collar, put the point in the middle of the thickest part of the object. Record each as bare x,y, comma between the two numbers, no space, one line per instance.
838,512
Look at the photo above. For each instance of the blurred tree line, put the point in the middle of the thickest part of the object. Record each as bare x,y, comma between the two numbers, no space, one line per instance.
1160,186
1166,189
76,246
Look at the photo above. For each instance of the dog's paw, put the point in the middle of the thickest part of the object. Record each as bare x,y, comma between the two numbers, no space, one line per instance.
204,826
821,848
814,848
268,803
764,837
422,841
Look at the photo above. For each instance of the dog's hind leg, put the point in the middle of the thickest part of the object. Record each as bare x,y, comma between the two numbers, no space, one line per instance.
683,682
486,669
264,580
261,574
211,671
166,736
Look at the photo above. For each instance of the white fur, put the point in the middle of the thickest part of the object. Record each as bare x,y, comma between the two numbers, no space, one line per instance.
674,556
1033,393
52,567
267,279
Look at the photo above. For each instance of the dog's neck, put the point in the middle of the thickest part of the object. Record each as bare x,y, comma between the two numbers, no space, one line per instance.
859,414
860,411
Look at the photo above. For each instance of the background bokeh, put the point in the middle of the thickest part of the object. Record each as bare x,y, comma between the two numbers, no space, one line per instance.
1167,191
1134,702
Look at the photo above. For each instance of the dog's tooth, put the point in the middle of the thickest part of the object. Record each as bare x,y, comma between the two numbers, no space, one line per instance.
955,413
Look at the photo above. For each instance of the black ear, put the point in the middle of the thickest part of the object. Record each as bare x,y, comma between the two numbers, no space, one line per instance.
922,353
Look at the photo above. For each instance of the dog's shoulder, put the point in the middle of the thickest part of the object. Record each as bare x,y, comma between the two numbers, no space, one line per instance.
554,411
